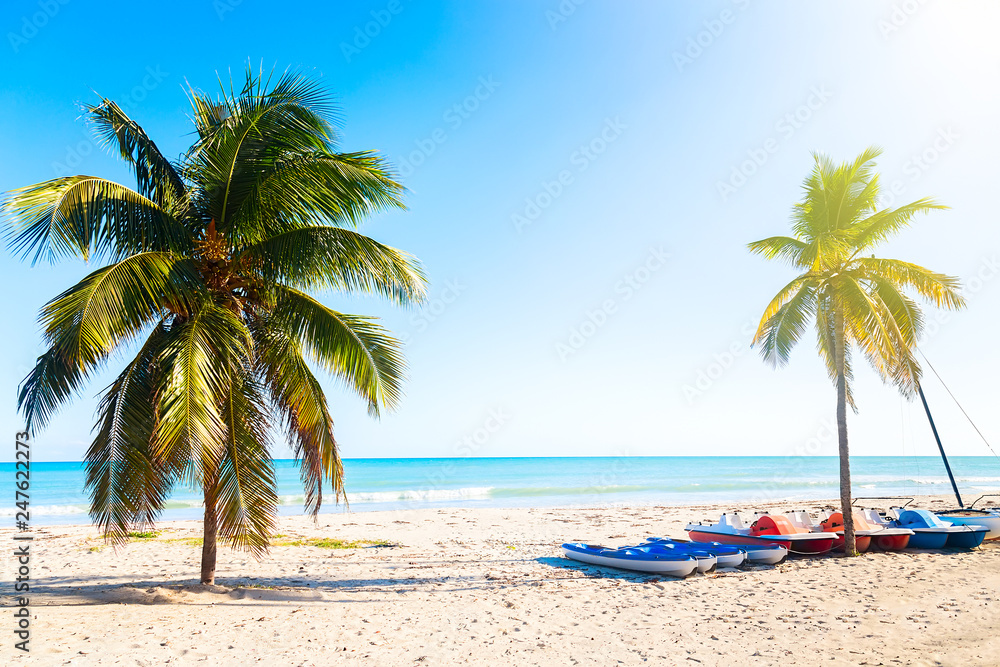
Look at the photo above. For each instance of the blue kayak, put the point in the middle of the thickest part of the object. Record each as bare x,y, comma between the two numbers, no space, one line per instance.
725,555
768,554
639,559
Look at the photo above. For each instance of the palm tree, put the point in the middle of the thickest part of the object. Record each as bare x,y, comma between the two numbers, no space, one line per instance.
210,260
857,302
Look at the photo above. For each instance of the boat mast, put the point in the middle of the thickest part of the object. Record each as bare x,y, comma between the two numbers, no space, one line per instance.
958,496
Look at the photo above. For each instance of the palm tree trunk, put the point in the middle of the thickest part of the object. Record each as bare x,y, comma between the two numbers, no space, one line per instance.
208,547
850,547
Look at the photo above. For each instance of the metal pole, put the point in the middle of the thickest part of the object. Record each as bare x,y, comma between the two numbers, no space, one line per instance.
920,390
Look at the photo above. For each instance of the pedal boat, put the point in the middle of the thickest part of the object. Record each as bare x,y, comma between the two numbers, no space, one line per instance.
930,532
766,529
804,521
638,559
880,537
765,554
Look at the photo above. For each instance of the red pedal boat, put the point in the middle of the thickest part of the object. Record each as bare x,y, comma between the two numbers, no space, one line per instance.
880,537
802,519
765,529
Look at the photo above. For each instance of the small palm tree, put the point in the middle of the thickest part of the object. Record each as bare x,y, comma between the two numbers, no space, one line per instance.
857,302
211,258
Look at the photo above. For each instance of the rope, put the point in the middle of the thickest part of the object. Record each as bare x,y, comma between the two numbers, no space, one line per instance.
911,480
930,366
906,483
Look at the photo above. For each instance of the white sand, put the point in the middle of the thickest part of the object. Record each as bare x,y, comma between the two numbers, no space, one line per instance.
489,587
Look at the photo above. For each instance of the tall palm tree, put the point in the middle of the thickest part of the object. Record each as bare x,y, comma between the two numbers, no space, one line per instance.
857,302
209,263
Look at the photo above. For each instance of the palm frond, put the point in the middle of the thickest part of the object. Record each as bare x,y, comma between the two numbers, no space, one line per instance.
353,348
315,188
199,358
854,188
905,312
782,330
777,302
870,326
52,382
336,258
80,216
156,177
883,225
300,400
113,304
941,290
785,248
246,487
128,484
259,127
208,113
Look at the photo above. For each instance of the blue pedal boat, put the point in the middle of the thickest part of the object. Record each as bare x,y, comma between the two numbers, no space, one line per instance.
930,532
638,559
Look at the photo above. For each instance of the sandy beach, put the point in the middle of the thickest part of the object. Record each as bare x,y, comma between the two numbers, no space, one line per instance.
488,587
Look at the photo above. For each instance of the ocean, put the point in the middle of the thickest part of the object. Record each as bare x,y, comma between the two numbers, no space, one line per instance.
58,495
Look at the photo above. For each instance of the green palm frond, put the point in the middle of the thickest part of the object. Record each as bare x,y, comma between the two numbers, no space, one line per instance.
300,400
87,322
128,483
905,312
826,345
114,304
339,259
941,290
833,194
883,225
199,358
315,188
869,326
52,382
156,177
353,348
851,189
247,496
780,332
208,113
785,248
80,216
260,126
779,300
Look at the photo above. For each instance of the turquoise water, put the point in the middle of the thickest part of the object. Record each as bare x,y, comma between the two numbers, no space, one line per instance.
58,497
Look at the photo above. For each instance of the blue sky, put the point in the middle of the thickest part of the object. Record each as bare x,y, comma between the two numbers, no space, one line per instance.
583,180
